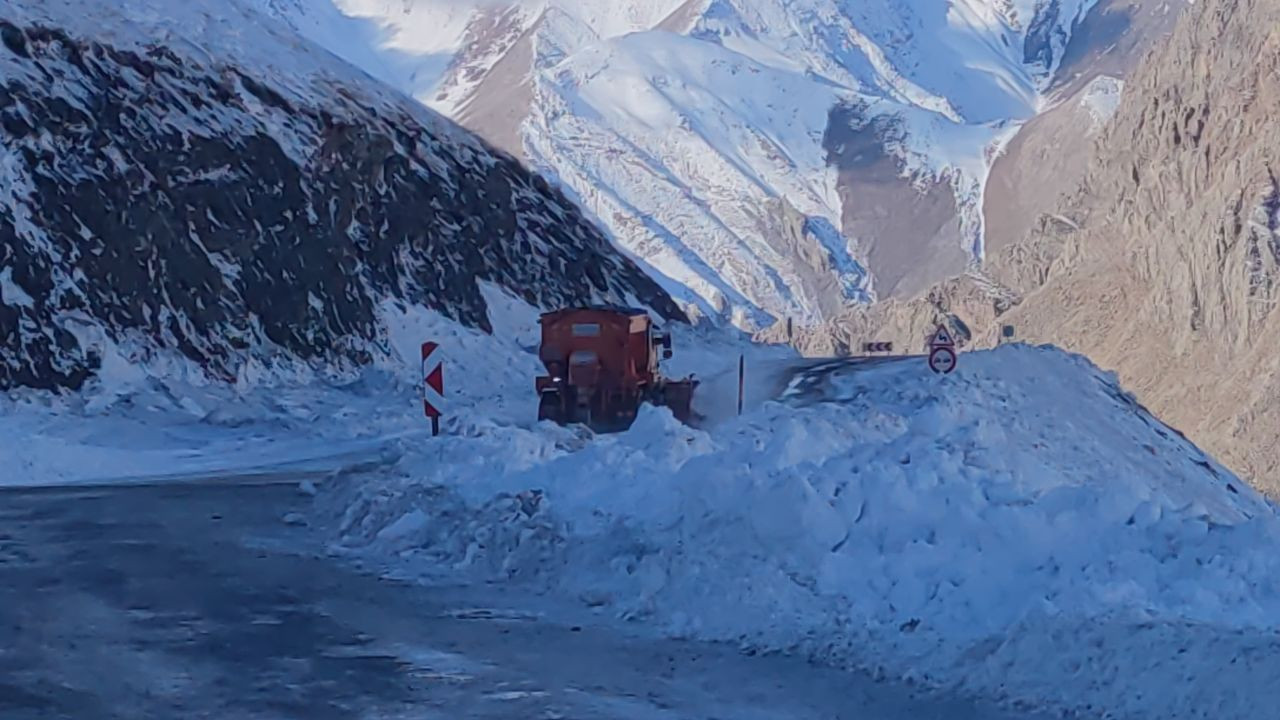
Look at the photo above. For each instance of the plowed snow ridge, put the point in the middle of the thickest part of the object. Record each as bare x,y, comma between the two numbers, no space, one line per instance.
1022,529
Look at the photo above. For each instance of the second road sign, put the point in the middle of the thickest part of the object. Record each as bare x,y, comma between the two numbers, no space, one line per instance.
941,338
942,359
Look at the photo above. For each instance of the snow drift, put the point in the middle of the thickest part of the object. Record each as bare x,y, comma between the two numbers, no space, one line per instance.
1022,529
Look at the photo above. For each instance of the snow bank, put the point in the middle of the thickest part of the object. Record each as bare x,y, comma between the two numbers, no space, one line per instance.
1021,529
164,420
168,431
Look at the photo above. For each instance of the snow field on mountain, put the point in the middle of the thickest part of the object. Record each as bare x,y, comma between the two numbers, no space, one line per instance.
684,127
662,120
966,532
699,132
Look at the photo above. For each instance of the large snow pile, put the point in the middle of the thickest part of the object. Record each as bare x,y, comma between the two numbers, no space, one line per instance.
1021,529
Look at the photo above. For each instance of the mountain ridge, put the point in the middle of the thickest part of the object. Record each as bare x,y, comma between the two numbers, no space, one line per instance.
668,121
1160,257
244,200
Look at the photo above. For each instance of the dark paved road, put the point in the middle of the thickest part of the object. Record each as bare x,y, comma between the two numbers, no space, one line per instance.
193,601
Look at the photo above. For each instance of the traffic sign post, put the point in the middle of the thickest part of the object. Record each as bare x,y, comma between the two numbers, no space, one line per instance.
942,338
942,360
432,385
742,374
942,352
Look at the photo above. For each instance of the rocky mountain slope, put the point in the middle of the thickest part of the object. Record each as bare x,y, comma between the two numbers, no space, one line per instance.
1174,275
1164,261
195,180
1049,155
763,158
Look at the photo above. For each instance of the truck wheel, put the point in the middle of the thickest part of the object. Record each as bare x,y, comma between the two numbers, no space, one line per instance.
550,407
581,415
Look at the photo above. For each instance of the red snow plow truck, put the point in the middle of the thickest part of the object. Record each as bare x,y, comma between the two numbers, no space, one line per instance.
602,363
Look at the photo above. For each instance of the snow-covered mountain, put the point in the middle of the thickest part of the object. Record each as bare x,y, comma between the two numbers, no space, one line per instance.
764,158
194,181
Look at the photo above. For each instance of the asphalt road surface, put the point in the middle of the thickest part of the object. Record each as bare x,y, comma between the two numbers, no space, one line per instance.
197,601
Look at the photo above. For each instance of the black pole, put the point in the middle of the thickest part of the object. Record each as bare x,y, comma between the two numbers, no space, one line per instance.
742,367
435,426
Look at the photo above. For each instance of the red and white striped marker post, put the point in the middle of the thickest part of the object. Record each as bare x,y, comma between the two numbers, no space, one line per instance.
432,385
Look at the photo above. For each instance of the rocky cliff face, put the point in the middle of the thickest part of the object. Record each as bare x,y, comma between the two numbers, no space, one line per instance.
1048,157
1173,275
158,195
1164,261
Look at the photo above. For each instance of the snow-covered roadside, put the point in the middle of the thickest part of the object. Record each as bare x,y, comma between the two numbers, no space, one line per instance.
150,416
147,436
1020,530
